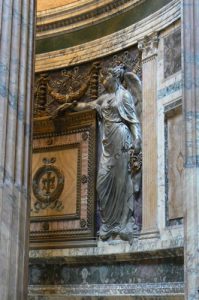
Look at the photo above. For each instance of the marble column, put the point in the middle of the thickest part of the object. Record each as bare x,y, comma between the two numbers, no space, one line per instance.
16,74
190,45
149,47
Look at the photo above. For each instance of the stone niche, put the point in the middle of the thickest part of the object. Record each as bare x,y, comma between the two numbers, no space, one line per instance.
102,270
80,265
66,150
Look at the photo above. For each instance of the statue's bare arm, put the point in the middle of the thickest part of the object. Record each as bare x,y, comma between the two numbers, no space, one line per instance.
77,106
88,105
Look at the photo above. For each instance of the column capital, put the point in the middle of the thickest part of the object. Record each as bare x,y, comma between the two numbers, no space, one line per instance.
149,46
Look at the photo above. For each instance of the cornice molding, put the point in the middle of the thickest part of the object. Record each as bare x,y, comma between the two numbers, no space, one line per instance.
168,289
111,43
77,16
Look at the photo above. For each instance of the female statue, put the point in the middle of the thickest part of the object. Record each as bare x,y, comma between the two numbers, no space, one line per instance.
121,135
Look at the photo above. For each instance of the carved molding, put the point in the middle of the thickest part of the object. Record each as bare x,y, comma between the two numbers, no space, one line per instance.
70,84
73,17
112,43
149,47
146,289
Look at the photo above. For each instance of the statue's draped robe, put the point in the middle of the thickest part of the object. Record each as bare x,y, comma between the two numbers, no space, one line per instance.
114,183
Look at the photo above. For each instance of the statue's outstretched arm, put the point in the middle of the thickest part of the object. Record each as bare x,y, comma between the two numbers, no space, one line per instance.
87,105
77,106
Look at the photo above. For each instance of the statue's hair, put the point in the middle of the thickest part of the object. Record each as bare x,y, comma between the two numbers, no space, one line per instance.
118,71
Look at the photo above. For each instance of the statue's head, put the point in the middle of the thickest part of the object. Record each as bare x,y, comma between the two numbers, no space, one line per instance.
112,77
118,72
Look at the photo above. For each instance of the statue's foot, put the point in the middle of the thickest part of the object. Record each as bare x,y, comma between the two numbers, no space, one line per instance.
105,233
129,232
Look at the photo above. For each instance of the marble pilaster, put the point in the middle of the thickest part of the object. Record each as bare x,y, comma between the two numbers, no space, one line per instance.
16,61
191,115
149,48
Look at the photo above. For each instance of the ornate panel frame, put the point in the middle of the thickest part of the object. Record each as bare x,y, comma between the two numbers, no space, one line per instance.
170,110
75,131
78,185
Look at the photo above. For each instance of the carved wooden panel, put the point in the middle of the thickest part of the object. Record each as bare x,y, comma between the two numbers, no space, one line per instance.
56,177
175,163
63,181
82,80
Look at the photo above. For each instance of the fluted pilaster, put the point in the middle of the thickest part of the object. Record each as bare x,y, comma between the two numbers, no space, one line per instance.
191,116
16,70
149,47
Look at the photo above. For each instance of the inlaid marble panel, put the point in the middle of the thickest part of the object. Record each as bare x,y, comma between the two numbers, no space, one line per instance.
174,162
142,279
172,53
151,271
173,297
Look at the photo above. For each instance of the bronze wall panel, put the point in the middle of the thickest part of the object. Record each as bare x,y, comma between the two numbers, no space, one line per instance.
63,172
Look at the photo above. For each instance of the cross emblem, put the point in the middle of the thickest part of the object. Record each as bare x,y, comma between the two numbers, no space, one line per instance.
48,183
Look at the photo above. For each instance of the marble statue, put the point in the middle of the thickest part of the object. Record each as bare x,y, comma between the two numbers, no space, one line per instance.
121,140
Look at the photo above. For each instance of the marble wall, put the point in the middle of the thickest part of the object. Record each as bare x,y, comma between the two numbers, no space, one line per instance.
111,298
16,75
174,162
191,119
157,274
148,271
172,53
